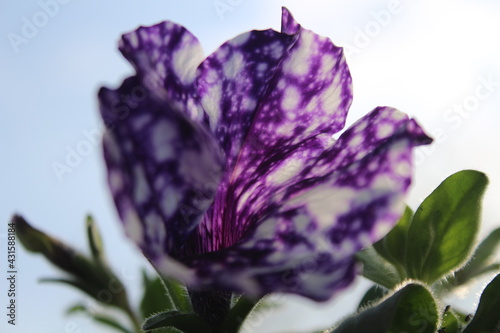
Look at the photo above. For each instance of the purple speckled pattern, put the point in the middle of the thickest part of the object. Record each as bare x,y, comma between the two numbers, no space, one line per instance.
224,170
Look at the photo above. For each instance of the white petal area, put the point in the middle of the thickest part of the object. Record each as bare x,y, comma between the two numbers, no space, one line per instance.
111,146
234,66
133,226
161,137
211,104
285,172
299,61
291,99
241,39
170,201
141,121
384,130
186,59
173,268
356,140
328,62
276,50
115,179
142,191
326,204
331,97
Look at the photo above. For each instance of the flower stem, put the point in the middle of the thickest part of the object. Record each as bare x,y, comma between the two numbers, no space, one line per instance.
212,306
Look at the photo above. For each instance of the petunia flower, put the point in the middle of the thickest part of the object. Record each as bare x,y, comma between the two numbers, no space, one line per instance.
224,170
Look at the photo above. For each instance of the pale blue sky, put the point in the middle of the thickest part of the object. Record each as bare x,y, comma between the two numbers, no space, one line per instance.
427,59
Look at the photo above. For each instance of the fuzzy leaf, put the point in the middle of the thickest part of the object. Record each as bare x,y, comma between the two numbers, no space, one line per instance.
88,289
376,269
443,230
450,322
393,246
481,261
486,319
371,296
99,318
411,309
155,298
178,295
238,313
58,253
188,323
88,275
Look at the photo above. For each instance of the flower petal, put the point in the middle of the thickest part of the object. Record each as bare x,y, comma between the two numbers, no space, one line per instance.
233,81
306,243
288,23
368,133
274,99
163,169
166,56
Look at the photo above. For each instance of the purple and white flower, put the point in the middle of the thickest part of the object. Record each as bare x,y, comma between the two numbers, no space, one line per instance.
224,170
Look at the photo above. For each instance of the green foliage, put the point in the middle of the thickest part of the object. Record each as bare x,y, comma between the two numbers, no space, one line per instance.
486,319
410,309
429,249
442,232
434,246
238,313
99,318
95,241
165,305
371,296
438,239
378,270
187,323
58,253
450,322
483,259
155,298
481,262
91,275
392,246
178,295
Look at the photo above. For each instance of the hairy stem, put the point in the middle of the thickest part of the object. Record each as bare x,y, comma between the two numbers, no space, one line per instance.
212,306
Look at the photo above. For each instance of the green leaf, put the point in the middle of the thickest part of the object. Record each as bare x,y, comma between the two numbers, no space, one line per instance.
481,261
372,295
376,269
443,230
155,298
187,323
411,309
450,323
238,313
95,241
78,284
99,318
178,295
489,269
76,308
111,322
393,246
58,253
93,278
486,319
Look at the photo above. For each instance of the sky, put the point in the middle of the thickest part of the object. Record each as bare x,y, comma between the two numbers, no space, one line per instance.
438,61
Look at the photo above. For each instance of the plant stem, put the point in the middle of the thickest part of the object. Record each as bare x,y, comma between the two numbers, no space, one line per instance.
211,306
